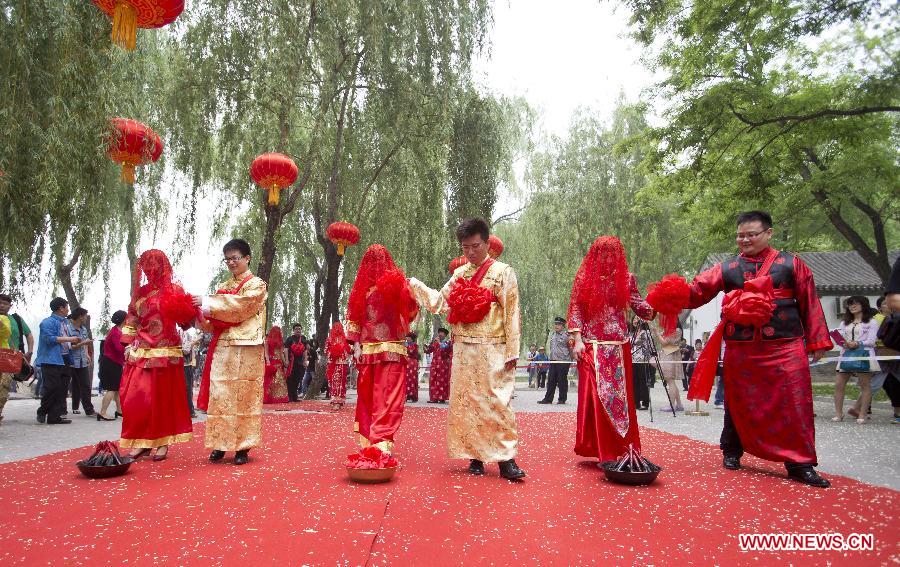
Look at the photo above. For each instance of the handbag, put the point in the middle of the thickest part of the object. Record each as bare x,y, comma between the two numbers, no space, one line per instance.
11,361
860,352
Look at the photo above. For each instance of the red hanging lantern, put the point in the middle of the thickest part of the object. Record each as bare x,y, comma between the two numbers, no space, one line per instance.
128,15
456,263
274,172
495,246
342,234
132,143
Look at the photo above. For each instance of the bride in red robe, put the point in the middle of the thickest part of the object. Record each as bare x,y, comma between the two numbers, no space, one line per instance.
274,384
153,393
379,313
603,290
337,350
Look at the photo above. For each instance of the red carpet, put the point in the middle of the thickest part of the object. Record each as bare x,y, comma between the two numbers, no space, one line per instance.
292,505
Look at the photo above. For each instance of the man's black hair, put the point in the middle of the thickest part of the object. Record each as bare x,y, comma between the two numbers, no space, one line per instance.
6,298
238,245
118,317
77,312
295,325
750,216
471,227
57,303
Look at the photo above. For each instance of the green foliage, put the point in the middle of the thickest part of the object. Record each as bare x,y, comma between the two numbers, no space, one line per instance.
587,185
60,82
361,94
785,105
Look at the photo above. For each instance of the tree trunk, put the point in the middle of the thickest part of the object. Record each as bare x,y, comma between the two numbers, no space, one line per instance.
64,273
324,317
267,254
878,259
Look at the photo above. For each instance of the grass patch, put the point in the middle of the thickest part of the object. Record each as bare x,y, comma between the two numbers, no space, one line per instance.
851,392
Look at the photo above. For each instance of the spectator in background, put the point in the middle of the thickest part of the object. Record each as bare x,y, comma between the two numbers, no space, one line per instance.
53,337
560,351
670,359
296,346
112,359
541,368
532,367
687,355
190,341
889,375
859,331
81,365
20,338
640,363
5,378
312,356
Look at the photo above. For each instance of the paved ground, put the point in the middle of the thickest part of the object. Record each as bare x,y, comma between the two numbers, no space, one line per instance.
869,453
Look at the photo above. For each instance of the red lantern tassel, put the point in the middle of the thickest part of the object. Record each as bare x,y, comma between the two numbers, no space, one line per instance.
124,30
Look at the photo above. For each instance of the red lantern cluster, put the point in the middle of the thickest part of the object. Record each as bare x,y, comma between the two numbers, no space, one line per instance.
128,15
456,263
495,246
342,235
133,143
273,172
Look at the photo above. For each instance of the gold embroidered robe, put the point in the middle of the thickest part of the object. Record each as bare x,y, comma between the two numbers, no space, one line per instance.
234,416
481,424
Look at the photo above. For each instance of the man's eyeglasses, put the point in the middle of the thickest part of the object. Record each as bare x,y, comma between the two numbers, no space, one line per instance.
232,259
749,235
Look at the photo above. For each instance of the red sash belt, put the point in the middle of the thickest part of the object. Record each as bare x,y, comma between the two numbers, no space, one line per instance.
219,327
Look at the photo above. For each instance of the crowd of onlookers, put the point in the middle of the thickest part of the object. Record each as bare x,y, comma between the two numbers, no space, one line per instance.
61,362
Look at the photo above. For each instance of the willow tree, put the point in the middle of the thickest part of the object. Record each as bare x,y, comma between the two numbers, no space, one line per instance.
60,83
355,92
791,105
586,184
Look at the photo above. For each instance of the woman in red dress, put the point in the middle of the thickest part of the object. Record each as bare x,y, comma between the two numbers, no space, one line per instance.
154,398
603,289
337,349
412,368
274,385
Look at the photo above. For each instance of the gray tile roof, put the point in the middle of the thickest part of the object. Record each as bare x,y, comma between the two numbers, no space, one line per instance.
836,273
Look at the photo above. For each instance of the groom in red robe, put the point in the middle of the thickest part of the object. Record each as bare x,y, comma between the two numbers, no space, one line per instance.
768,389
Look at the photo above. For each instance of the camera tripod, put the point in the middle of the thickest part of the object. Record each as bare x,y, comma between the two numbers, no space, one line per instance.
643,326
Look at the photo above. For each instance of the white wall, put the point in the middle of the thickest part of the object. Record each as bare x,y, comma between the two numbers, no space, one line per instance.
705,318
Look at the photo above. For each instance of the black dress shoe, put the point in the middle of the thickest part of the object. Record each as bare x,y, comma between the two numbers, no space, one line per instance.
42,418
476,467
808,475
732,463
100,417
216,456
76,411
562,403
241,457
544,402
118,414
510,470
59,421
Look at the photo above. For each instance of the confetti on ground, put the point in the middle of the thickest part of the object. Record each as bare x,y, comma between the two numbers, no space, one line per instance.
293,504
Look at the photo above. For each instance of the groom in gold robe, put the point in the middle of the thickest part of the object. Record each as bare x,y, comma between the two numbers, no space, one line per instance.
231,391
481,425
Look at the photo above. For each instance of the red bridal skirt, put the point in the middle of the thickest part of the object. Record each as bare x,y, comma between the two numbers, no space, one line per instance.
154,407
439,381
412,379
595,435
380,398
768,391
337,381
274,385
